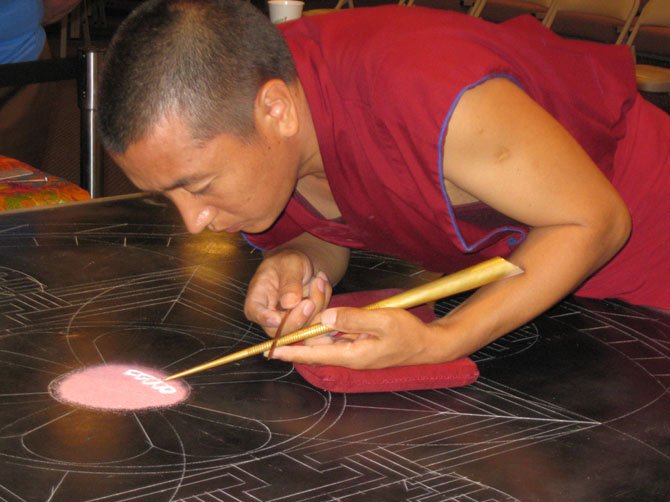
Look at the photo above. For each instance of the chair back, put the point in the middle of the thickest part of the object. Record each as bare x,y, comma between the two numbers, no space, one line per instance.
550,14
474,6
544,3
622,12
504,9
340,4
654,13
652,78
618,9
477,7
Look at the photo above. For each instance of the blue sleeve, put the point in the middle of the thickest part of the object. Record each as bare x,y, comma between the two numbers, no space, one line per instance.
22,36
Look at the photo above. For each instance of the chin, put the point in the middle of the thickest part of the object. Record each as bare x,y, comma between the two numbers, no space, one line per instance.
259,227
252,230
256,229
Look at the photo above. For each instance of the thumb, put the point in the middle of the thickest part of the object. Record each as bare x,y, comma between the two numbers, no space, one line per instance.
290,291
353,320
290,284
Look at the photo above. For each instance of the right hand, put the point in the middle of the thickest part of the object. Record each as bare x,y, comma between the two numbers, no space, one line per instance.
286,280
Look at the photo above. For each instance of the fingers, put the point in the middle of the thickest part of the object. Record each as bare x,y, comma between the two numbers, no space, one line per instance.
371,339
297,280
276,286
320,340
260,303
294,272
353,320
336,353
355,348
285,282
299,316
318,293
290,290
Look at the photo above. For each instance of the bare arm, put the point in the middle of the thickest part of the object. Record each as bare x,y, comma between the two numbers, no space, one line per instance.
505,150
523,163
54,10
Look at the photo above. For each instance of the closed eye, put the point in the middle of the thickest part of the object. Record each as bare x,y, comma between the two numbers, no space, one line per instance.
200,191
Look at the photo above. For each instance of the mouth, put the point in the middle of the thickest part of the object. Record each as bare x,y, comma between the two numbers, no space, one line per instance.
219,227
233,229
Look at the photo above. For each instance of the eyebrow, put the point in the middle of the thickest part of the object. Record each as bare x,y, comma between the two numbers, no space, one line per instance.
180,183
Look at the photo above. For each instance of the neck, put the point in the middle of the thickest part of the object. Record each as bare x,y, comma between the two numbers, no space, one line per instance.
311,163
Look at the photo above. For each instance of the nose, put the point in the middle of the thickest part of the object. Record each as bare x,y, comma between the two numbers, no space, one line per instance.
196,215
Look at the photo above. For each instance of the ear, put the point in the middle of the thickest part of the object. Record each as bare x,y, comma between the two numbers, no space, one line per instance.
275,108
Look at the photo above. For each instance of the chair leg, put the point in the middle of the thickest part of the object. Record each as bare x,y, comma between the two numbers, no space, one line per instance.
340,4
63,37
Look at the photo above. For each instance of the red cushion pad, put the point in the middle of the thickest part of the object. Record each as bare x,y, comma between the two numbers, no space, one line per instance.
423,376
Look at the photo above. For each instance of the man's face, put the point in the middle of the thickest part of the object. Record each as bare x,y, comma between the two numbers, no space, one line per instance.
225,184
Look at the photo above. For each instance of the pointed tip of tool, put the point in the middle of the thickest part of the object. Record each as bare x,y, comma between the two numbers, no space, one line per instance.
511,269
515,271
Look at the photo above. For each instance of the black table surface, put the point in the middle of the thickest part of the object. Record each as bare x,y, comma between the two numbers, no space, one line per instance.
572,406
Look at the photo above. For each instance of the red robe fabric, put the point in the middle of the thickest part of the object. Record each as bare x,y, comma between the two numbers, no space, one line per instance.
382,84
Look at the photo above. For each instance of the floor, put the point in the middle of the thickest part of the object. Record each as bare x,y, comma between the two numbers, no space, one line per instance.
570,407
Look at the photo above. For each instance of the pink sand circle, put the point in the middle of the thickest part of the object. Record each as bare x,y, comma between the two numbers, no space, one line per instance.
118,387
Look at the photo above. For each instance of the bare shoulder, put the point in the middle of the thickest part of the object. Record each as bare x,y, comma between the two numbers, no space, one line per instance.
495,116
506,150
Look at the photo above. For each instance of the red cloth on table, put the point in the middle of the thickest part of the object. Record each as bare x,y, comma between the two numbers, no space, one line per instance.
423,376
36,189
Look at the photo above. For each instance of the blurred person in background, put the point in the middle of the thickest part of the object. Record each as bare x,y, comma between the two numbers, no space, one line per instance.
24,110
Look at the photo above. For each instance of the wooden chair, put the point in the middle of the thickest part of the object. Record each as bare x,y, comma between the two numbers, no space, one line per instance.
76,24
501,10
655,16
472,7
607,21
477,8
338,6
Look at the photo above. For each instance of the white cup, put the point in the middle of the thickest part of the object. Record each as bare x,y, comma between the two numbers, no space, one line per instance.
284,10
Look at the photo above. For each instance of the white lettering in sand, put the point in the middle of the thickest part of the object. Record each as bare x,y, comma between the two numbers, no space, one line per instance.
152,381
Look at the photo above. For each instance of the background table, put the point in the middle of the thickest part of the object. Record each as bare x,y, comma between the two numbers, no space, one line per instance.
573,406
23,186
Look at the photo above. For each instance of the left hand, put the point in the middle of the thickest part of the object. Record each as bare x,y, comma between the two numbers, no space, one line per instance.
286,281
372,339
